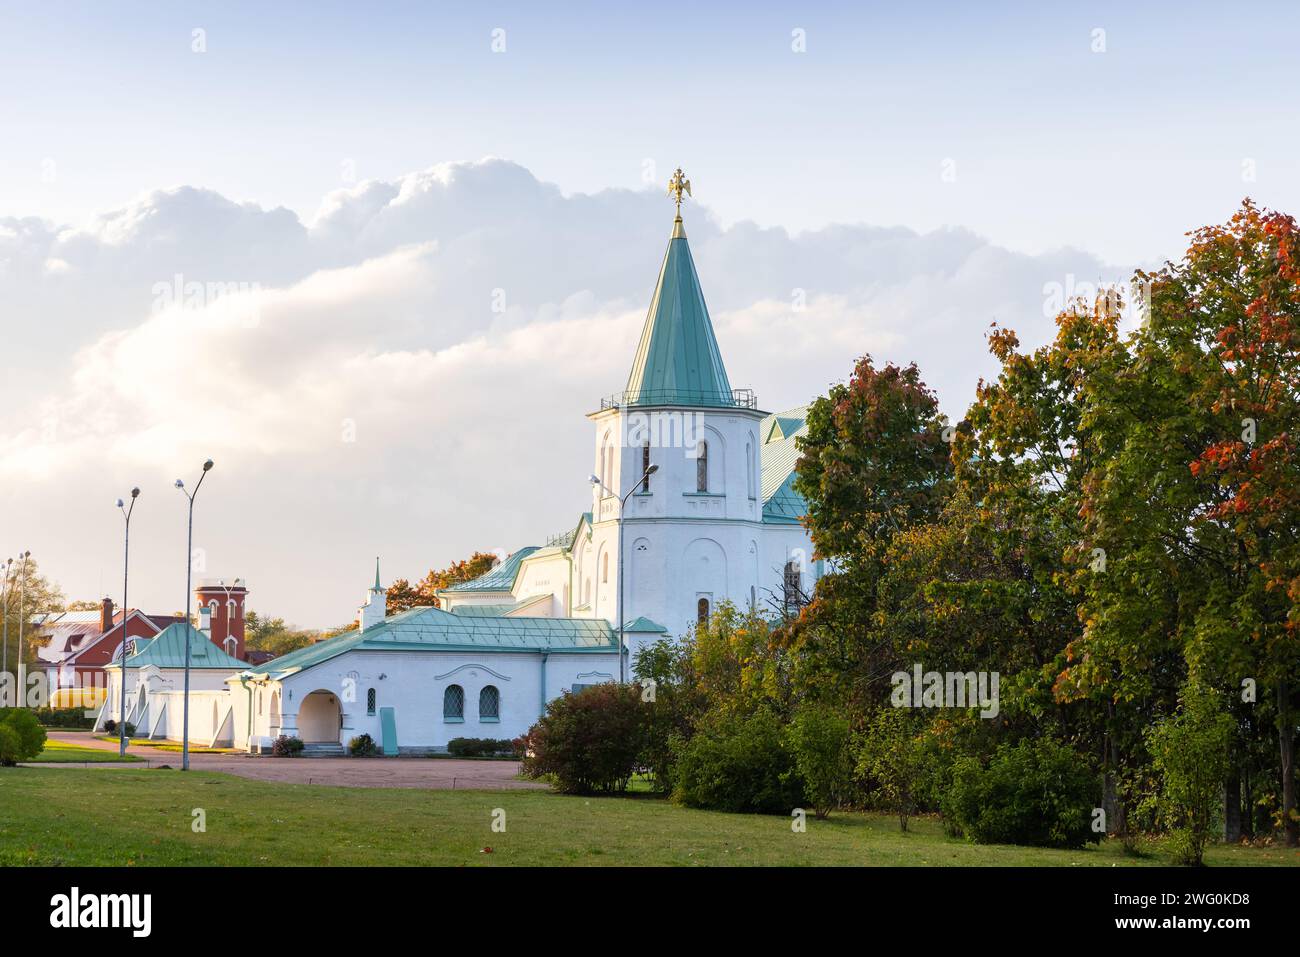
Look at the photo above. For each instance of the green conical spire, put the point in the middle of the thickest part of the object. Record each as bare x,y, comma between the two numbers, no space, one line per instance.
378,587
678,361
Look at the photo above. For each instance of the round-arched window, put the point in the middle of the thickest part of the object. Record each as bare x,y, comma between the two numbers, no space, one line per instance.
489,703
453,702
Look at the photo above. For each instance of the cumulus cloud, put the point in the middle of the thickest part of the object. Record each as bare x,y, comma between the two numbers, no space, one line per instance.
407,373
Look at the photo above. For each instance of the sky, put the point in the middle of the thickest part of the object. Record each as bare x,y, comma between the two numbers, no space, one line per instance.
379,261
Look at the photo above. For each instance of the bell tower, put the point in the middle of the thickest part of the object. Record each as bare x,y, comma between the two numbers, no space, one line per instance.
685,535
225,603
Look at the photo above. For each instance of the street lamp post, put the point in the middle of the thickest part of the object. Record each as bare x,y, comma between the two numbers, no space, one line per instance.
126,556
595,480
189,561
6,592
22,593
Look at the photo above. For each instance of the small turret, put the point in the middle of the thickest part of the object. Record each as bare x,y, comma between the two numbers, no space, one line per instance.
374,609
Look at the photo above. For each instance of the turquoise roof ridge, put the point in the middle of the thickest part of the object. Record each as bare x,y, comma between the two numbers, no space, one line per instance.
500,577
678,361
432,629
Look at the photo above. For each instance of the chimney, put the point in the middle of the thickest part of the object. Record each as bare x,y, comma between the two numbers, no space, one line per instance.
106,614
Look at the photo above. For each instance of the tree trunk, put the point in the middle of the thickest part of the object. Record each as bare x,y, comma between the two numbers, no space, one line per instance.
1286,749
1248,812
1232,807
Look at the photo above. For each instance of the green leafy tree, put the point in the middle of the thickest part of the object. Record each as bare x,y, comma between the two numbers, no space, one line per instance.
39,596
873,463
892,757
1190,753
272,634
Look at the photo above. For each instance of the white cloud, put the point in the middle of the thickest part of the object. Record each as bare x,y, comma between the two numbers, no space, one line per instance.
408,373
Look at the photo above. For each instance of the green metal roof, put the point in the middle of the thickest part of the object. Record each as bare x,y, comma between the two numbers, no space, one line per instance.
167,650
496,610
644,624
432,629
501,577
778,457
678,361
484,611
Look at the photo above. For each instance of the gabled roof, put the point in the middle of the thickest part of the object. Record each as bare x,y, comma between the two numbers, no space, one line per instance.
432,629
81,616
92,641
643,625
501,577
167,650
678,361
499,610
778,457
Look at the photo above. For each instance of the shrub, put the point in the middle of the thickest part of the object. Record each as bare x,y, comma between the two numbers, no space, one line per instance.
819,740
1190,754
892,757
588,741
130,729
110,726
363,745
21,736
737,763
480,747
286,747
1036,792
63,718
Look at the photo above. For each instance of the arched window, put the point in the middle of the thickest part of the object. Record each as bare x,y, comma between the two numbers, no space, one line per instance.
749,468
604,568
645,467
702,467
232,645
702,611
370,701
453,703
489,704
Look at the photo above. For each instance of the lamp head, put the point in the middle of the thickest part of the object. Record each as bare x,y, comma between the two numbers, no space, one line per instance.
652,470
120,503
207,465
180,484
593,480
135,493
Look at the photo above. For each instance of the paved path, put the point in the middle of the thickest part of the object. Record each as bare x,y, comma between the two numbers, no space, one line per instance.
432,773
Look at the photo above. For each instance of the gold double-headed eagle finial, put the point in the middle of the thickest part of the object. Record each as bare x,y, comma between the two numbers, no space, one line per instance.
678,184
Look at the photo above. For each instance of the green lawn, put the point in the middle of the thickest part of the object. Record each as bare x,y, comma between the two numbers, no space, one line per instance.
74,817
165,745
59,752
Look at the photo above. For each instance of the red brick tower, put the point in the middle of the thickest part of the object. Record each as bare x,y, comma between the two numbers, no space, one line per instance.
225,602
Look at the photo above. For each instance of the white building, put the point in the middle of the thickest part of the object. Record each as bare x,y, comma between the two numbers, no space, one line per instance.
710,515
155,688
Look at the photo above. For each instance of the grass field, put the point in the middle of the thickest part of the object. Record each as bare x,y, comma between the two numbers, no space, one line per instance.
75,817
59,752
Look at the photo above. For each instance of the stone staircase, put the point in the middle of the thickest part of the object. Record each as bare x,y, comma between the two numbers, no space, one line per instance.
322,750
